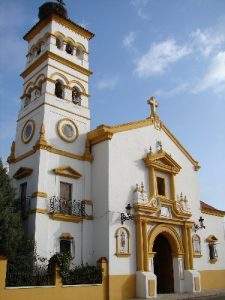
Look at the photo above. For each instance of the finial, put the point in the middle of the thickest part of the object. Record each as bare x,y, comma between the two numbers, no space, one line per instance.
150,150
42,142
153,105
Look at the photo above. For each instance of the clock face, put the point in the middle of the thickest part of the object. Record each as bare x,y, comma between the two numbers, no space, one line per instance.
28,131
67,130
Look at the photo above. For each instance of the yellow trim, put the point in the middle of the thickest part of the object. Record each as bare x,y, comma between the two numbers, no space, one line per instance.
22,173
172,236
39,194
145,246
95,136
67,172
65,218
151,288
65,22
162,161
49,55
38,211
212,212
139,246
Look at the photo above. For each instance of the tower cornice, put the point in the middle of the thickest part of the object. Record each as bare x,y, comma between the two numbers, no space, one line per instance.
65,22
49,55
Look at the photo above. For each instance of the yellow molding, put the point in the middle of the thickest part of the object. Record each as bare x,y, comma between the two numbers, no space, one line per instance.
65,22
181,147
97,135
22,172
212,212
197,255
122,254
65,218
49,55
39,211
39,194
67,172
162,161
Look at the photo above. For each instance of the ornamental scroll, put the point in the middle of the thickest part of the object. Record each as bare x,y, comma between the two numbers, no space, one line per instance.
122,242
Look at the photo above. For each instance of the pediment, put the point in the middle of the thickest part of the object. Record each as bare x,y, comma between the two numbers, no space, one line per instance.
67,172
22,172
161,160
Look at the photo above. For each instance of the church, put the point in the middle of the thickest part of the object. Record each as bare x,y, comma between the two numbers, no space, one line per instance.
127,192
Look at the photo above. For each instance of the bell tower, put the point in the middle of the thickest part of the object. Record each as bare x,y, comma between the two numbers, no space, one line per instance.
50,157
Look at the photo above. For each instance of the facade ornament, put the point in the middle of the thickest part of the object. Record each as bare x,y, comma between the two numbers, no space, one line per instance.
140,195
42,142
182,204
87,153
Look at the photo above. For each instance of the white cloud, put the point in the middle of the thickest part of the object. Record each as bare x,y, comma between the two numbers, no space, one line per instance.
214,78
181,88
129,39
159,57
140,6
107,83
207,41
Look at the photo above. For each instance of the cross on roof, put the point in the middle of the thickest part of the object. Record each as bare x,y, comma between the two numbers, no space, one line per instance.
153,105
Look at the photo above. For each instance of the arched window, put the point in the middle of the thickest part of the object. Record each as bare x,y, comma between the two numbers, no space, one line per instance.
76,96
79,53
213,255
59,90
196,242
38,49
58,43
69,48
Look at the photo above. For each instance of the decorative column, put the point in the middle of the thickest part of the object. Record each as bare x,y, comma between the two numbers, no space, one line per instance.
152,187
190,247
186,248
145,246
139,245
172,187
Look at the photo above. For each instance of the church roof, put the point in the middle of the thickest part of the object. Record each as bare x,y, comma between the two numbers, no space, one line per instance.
211,210
106,132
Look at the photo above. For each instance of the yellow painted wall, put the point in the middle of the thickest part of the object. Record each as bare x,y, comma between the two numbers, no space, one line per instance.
122,287
213,279
57,292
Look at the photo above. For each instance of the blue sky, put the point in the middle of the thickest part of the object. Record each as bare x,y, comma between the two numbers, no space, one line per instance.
174,50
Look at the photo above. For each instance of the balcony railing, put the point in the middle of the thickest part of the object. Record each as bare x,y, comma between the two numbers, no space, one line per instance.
68,207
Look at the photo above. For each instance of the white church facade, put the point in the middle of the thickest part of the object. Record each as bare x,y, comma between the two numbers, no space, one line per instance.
128,192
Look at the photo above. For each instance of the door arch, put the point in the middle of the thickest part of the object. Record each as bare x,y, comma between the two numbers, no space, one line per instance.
163,265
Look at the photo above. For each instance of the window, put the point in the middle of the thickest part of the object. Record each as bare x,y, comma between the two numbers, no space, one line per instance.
213,255
161,186
65,247
67,244
23,198
69,48
58,43
59,89
76,96
66,197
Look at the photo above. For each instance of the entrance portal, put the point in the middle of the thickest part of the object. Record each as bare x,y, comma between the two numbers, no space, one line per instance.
163,265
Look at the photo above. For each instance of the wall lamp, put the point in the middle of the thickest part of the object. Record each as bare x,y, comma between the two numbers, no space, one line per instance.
128,216
200,225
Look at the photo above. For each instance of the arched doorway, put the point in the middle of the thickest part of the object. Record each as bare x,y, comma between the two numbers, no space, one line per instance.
163,264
